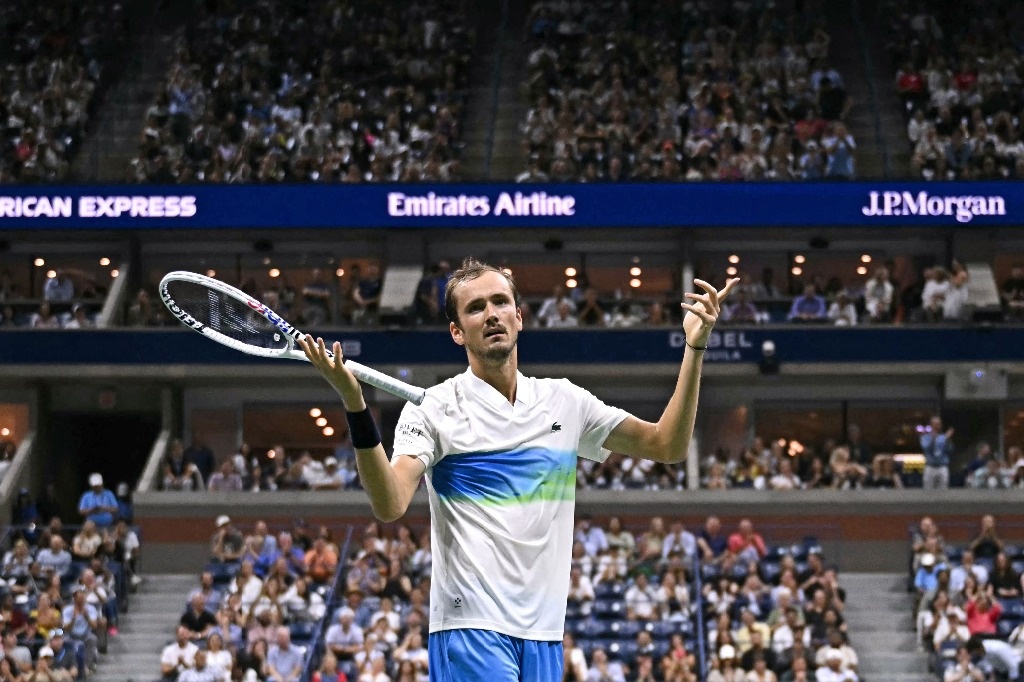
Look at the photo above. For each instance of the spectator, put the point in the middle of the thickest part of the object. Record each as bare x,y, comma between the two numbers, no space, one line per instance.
179,474
983,614
745,544
202,670
81,623
178,656
284,661
201,456
878,297
842,312
1000,656
988,543
44,318
938,448
964,668
808,307
54,559
79,318
344,638
65,657
954,303
59,288
883,473
225,479
366,290
197,618
98,504
1005,581
227,543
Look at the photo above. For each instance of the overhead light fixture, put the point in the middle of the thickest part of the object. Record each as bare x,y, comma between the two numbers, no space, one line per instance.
862,270
635,272
104,261
731,271
322,421
866,258
635,283
570,272
5,431
570,283
340,272
274,272
39,262
328,431
734,259
50,274
211,273
315,412
799,258
114,273
797,271
266,260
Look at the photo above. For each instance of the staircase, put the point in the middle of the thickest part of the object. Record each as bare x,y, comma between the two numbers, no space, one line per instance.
134,655
113,140
497,101
881,626
848,58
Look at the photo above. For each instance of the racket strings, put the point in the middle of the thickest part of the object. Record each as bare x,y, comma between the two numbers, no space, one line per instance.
226,314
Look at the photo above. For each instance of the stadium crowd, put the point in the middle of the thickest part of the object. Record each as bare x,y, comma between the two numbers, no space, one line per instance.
754,96
55,58
633,608
959,72
64,585
969,603
325,91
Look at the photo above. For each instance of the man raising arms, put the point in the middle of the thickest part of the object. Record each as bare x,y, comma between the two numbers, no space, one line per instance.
499,451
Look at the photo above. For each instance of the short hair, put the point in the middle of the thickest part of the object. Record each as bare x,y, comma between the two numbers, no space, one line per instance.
470,269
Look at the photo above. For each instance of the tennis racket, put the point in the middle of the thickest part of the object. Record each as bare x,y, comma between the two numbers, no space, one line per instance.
235,319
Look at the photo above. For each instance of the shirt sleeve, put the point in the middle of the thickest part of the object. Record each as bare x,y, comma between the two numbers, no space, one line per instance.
415,436
597,420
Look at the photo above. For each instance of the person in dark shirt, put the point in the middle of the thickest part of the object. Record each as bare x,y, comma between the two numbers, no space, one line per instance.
1013,293
197,619
712,541
202,456
860,452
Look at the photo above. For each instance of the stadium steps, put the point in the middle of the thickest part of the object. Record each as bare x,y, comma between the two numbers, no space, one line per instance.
875,21
847,56
134,655
507,110
117,126
878,615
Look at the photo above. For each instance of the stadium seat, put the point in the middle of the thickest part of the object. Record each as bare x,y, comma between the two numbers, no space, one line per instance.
626,628
607,609
661,629
303,631
592,629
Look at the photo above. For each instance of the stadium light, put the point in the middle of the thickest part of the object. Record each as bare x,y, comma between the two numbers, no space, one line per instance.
340,272
635,283
734,259
39,262
635,272
104,261
570,272
328,431
322,421
799,258
571,283
315,412
797,271
865,258
50,274
862,270
731,271
211,273
274,272
5,431
114,273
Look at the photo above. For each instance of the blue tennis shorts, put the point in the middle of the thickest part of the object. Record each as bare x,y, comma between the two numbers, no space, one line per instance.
469,655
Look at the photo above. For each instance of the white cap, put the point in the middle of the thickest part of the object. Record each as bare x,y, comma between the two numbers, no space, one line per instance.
331,461
223,520
727,651
927,559
833,654
45,651
346,611
95,479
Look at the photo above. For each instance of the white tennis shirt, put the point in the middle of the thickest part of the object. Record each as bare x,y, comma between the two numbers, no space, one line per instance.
501,480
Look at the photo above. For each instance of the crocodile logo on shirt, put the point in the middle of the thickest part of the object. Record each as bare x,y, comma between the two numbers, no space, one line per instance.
556,427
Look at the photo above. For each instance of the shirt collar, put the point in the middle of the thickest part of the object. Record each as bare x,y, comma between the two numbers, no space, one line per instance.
490,395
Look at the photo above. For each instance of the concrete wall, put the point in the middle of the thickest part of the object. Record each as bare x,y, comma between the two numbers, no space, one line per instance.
863,530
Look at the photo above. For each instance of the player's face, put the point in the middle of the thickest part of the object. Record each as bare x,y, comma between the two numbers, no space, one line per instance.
489,321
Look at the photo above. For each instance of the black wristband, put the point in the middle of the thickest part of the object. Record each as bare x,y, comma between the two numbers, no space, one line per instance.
363,430
699,348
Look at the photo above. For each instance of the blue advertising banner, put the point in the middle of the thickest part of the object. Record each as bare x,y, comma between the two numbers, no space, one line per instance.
511,205
793,344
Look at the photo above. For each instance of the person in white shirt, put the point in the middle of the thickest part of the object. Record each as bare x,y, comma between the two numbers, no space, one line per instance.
878,293
955,303
79,318
832,670
936,287
58,289
179,655
999,655
679,542
642,601
958,576
549,307
842,312
499,452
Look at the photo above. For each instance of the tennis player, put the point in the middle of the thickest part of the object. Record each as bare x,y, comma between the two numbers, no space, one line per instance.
499,451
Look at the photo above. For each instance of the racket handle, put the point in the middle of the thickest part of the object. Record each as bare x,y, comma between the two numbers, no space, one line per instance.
413,394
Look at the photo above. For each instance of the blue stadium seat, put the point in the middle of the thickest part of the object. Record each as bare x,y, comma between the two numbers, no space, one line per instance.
606,590
775,553
607,608
571,625
626,628
593,629
1013,552
303,632
769,571
710,571
574,611
625,649
586,646
1005,627
661,629
1018,567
